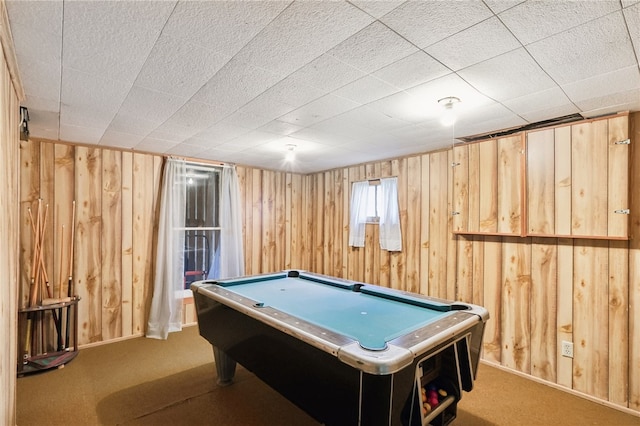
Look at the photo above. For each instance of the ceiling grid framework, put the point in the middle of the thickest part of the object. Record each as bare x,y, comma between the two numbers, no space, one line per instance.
346,82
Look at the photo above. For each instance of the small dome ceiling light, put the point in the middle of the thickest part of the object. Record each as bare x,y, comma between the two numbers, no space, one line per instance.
291,155
448,116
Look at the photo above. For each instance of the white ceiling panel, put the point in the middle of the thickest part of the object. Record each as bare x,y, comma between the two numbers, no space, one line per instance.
517,72
597,47
535,20
347,81
427,22
484,40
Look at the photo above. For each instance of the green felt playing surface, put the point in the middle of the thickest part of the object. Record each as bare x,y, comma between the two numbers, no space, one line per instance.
369,319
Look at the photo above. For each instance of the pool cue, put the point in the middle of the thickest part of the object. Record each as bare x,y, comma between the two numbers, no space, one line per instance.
70,283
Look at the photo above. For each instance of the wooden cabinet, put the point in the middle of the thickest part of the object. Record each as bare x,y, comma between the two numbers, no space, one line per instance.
566,181
578,180
488,186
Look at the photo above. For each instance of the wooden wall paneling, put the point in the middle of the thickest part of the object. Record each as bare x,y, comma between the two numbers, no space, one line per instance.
126,253
474,187
337,228
143,254
411,243
461,188
157,163
424,223
452,289
438,225
510,173
465,268
255,243
317,229
111,244
307,219
492,282
47,193
64,172
29,193
244,182
589,178
541,182
516,296
384,256
618,322
618,176
279,206
346,187
543,308
268,221
477,276
87,246
329,217
563,187
488,186
634,267
371,237
398,275
290,226
355,269
590,318
565,303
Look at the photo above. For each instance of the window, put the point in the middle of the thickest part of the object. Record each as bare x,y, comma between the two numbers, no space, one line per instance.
202,223
374,202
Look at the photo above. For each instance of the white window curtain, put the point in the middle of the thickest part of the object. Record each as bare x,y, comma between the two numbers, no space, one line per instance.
231,247
390,232
166,305
358,213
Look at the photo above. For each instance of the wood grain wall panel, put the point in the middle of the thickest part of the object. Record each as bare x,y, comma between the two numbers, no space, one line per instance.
618,168
412,223
279,235
438,225
29,193
355,270
307,220
384,257
64,196
618,294
543,308
87,246
540,182
589,178
255,243
516,296
126,260
329,219
510,172
290,226
563,189
111,252
492,283
47,194
564,319
461,182
317,225
474,187
477,278
465,268
591,318
425,177
398,261
338,226
488,186
268,221
634,267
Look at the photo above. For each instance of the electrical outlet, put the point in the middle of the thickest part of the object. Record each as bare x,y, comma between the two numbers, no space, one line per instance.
567,349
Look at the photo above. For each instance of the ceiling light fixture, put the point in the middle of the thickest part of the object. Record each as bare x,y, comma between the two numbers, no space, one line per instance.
291,155
448,116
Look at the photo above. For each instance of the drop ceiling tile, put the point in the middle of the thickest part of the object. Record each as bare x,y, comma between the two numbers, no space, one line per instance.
179,68
80,134
246,120
550,98
278,127
302,32
498,6
37,43
428,22
618,81
132,124
412,70
401,106
591,51
632,18
266,106
40,79
482,41
365,90
150,144
110,38
550,113
150,105
236,83
221,26
173,131
377,9
535,20
318,110
373,48
35,104
198,115
370,118
613,103
44,124
507,76
186,150
221,132
327,73
112,138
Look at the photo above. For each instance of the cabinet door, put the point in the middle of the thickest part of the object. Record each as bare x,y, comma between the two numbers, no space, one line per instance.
488,186
578,179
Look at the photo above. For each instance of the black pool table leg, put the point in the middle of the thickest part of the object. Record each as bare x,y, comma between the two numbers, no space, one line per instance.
225,367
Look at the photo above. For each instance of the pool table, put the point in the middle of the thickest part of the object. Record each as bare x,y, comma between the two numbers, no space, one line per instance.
347,353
